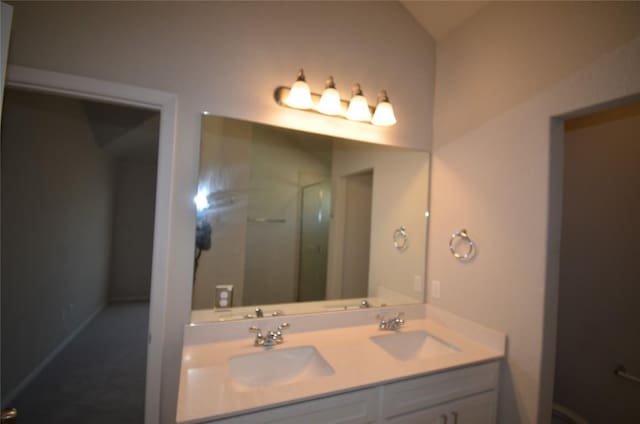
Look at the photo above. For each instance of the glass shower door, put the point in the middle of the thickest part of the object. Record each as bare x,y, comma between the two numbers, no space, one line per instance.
314,241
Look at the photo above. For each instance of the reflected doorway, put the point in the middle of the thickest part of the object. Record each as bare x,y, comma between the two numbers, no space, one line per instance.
357,234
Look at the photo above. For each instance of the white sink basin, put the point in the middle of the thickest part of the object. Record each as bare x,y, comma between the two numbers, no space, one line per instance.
410,345
276,367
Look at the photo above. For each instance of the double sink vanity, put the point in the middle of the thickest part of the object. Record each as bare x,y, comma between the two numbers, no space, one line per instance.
309,289
342,367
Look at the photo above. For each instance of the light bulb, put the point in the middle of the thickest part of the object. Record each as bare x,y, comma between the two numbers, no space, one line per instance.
300,95
330,103
358,106
201,200
384,116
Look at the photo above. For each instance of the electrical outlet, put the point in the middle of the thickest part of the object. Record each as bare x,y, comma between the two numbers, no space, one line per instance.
435,289
418,284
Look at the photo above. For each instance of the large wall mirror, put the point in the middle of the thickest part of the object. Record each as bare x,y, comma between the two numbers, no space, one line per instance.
291,222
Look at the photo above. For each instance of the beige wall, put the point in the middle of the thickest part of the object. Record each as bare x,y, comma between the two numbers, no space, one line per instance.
512,50
133,218
227,58
598,314
57,201
500,79
399,198
224,168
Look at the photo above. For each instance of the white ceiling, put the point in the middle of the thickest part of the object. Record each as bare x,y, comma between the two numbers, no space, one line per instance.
441,17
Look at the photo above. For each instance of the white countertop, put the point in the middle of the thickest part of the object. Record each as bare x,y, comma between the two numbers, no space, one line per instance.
206,392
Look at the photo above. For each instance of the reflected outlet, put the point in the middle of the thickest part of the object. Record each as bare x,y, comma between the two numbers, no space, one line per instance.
435,289
224,296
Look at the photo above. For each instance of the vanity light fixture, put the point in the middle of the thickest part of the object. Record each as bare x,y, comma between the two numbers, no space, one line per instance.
383,115
358,106
330,103
299,96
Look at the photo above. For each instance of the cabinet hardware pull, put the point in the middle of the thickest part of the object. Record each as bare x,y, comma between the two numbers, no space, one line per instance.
455,417
444,419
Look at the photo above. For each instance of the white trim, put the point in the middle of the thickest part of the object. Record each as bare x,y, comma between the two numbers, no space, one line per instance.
166,104
50,357
6,17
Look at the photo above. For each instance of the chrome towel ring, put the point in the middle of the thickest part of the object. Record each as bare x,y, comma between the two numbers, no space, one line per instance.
464,235
401,239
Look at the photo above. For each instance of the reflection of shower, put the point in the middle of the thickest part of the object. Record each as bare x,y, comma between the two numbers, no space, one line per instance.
314,241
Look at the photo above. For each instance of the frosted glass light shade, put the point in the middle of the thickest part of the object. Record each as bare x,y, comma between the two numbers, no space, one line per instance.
300,96
330,102
384,116
359,109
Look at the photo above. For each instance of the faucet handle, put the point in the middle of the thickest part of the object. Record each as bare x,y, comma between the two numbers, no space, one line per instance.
276,336
383,321
283,326
259,340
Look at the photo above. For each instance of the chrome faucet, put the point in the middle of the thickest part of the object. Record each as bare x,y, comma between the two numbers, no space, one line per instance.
391,324
259,313
271,338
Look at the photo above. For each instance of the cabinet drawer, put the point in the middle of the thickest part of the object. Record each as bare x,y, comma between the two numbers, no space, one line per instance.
359,407
477,409
423,392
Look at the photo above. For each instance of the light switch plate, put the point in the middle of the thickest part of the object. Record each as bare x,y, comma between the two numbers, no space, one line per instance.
435,289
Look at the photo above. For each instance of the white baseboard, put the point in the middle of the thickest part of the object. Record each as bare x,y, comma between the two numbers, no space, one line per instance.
6,400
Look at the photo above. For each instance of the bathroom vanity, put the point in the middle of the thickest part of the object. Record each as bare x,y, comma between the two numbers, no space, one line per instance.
340,367
325,234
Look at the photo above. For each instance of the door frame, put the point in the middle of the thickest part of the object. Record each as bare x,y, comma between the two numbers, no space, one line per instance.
166,103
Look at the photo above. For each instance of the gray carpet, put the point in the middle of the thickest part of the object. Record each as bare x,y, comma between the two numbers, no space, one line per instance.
98,378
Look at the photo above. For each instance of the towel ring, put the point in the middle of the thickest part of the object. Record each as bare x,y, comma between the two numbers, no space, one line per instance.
464,235
400,239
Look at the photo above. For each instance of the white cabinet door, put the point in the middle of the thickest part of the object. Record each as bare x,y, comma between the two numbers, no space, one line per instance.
477,409
434,415
359,407
423,392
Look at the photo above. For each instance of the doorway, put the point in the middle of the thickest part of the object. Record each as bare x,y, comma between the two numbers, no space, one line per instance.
357,234
598,282
78,188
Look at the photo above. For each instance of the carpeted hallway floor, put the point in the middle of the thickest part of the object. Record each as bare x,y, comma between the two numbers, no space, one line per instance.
98,378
